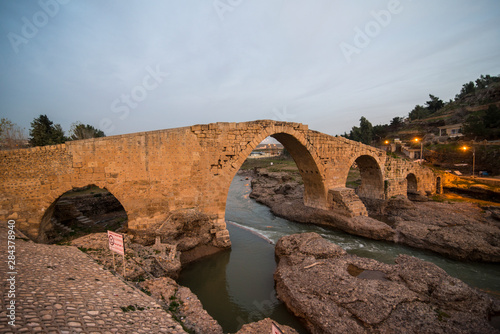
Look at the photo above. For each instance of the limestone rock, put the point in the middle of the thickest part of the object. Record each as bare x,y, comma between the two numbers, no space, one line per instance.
142,261
267,188
341,293
264,326
193,233
184,305
461,231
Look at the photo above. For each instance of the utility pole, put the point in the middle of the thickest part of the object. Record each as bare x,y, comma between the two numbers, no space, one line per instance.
465,148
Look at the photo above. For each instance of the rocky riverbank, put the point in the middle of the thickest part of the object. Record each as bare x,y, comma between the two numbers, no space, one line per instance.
334,292
152,270
460,231
152,261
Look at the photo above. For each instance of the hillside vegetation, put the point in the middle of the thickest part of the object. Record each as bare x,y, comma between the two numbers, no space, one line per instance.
476,107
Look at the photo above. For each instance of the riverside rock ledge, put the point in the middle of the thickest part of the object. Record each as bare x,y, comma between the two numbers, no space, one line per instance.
334,292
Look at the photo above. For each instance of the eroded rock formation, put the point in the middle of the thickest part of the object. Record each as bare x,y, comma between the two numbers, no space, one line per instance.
461,231
334,292
183,304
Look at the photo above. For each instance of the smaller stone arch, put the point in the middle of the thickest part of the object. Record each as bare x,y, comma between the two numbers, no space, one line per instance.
411,184
439,185
77,208
372,180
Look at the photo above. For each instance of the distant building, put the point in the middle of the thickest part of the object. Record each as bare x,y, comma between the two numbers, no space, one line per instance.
266,151
412,153
454,130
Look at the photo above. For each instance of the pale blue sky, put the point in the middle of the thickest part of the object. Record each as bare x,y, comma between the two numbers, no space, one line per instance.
129,66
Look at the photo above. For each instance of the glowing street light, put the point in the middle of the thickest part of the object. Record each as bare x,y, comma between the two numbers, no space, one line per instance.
416,140
465,148
386,142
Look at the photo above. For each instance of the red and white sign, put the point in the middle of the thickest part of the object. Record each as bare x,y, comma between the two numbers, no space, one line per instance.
115,242
275,329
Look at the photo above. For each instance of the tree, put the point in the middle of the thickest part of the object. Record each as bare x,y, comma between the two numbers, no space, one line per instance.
485,81
4,125
11,135
380,132
492,117
362,134
467,89
434,104
366,129
473,126
396,123
44,132
79,131
418,112
483,124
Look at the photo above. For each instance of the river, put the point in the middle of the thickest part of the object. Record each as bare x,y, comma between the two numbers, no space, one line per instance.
237,286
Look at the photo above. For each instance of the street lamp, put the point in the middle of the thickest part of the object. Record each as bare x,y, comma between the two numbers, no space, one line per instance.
465,148
416,140
387,147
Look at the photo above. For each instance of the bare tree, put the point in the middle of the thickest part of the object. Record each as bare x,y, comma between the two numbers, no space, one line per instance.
11,135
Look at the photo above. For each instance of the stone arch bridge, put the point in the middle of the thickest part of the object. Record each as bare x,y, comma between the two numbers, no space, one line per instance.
154,173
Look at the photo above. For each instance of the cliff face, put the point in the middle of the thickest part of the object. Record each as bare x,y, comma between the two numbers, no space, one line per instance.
334,292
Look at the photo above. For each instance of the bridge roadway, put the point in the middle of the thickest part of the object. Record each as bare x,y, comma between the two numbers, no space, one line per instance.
59,289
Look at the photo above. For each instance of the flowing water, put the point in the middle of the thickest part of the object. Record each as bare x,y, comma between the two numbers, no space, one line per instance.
237,286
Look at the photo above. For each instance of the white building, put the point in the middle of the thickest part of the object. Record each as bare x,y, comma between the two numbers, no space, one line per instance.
454,130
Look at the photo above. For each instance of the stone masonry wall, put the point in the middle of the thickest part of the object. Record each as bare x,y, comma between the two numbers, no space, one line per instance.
154,173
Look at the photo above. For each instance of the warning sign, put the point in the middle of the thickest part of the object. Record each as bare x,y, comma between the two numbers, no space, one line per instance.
115,241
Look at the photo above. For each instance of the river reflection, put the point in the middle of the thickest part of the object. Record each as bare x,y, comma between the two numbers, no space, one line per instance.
237,287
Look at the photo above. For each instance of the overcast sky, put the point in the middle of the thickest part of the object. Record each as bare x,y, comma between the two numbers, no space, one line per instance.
129,66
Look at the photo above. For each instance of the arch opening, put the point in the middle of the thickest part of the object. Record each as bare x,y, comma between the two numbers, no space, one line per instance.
438,185
314,188
278,177
411,185
301,182
82,211
365,176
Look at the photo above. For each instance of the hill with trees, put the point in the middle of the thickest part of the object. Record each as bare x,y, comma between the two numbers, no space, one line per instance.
476,108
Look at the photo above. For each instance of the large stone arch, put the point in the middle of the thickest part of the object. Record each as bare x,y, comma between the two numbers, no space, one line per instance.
372,179
304,155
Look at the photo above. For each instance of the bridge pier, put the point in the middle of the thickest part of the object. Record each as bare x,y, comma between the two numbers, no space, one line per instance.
347,202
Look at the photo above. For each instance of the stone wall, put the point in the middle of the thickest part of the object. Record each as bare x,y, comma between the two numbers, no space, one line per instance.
396,174
157,172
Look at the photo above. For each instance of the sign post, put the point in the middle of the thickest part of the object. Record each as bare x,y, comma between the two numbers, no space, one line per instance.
116,244
275,329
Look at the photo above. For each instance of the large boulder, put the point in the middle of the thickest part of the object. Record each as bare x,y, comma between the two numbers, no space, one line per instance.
461,230
334,292
192,232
